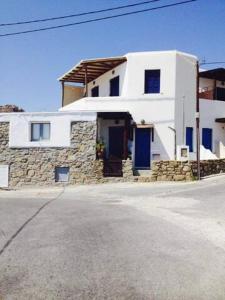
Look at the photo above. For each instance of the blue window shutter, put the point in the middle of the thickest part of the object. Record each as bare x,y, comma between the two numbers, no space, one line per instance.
207,138
114,86
152,81
189,138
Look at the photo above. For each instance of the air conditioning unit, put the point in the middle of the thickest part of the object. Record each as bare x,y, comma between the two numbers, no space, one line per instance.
182,152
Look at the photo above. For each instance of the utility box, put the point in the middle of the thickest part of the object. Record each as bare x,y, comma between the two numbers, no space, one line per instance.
4,176
182,152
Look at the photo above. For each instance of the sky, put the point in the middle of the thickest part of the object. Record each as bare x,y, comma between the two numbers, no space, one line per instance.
30,64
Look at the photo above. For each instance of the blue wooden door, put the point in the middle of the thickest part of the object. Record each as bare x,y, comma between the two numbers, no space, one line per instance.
207,138
142,148
116,142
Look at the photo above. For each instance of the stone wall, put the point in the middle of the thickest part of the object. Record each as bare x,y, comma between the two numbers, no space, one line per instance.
171,171
185,171
209,167
37,165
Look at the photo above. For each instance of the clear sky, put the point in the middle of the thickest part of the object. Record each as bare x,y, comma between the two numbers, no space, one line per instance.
30,64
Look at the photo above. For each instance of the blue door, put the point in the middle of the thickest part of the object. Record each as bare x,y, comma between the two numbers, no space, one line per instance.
207,138
142,148
116,142
189,138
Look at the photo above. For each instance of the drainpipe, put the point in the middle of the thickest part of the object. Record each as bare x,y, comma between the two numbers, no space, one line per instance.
175,141
197,116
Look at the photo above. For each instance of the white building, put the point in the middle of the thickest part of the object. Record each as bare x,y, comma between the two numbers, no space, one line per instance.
158,90
144,108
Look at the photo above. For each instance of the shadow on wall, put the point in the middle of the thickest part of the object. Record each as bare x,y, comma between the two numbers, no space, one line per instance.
158,146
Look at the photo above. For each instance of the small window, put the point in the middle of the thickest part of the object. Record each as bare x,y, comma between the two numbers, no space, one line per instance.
95,92
220,94
40,131
62,174
114,86
189,138
152,81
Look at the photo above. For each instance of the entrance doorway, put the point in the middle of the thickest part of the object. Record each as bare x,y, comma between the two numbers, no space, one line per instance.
142,148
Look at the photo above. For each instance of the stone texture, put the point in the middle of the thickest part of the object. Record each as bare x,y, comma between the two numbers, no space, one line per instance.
171,171
185,171
36,166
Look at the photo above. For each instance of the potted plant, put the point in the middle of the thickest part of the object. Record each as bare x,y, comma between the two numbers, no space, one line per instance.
100,149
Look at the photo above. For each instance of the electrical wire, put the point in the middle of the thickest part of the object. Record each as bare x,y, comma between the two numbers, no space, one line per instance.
79,14
97,19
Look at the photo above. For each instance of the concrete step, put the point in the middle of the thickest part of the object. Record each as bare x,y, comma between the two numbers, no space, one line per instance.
143,173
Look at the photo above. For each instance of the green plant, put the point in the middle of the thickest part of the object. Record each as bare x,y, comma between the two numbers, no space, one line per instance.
142,122
100,149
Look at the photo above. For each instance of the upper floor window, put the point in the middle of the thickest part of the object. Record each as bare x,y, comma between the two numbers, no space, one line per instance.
152,81
114,86
40,131
95,91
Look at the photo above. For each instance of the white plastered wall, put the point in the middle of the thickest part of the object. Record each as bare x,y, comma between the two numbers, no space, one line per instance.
60,127
185,106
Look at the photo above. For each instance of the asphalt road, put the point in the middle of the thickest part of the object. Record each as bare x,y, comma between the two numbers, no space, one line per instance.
117,241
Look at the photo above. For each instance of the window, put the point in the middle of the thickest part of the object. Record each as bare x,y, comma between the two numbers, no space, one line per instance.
189,138
114,86
207,138
220,94
152,81
62,174
40,131
95,92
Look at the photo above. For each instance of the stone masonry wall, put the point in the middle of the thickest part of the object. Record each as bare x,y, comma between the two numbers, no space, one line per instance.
37,165
185,171
171,171
209,167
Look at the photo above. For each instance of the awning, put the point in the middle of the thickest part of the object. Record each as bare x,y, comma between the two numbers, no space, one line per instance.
220,120
92,68
216,74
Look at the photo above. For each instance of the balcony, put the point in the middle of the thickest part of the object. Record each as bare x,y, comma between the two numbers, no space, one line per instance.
214,81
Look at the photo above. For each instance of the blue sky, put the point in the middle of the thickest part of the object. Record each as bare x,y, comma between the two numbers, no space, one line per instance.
30,64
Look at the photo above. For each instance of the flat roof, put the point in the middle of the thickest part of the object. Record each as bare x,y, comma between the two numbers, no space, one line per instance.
93,68
217,74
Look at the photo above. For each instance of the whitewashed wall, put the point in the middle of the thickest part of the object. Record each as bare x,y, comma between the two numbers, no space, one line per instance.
103,81
20,127
185,106
132,75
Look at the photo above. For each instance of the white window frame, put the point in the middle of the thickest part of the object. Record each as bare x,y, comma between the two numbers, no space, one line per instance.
41,137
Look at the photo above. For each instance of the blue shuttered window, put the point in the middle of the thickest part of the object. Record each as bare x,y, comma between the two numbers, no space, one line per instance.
207,138
114,86
95,92
152,81
189,138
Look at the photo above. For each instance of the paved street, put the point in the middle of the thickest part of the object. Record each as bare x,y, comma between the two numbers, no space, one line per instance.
116,241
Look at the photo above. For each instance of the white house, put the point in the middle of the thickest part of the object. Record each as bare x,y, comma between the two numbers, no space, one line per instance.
139,107
158,90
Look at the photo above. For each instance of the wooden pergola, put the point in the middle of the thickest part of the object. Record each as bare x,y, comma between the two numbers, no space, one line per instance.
88,70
